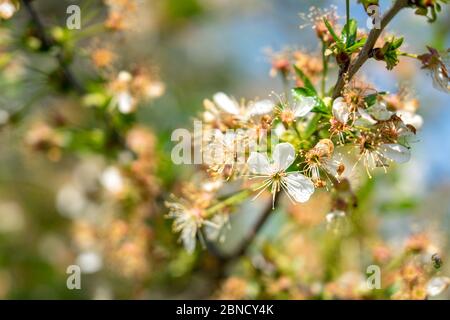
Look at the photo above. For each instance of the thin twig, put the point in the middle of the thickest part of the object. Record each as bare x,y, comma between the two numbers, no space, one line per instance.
248,239
48,43
347,11
370,43
256,228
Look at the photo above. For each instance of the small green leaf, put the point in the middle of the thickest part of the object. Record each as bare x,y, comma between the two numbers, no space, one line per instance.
299,92
421,11
312,126
307,82
360,43
338,41
349,33
397,43
371,99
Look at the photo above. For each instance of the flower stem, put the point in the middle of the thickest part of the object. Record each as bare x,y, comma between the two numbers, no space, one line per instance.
325,69
249,237
234,199
409,55
347,12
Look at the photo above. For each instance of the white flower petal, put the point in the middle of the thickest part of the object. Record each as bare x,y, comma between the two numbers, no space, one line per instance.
283,156
332,166
259,163
299,187
125,102
380,112
437,285
340,110
366,118
188,235
262,107
395,152
225,103
332,216
279,130
411,118
304,106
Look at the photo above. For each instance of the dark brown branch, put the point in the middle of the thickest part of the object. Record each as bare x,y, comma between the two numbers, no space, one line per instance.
368,47
48,43
249,237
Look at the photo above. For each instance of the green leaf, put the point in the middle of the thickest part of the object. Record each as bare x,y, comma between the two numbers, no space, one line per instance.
349,33
360,43
371,99
312,126
397,43
307,82
338,41
421,11
299,92
321,108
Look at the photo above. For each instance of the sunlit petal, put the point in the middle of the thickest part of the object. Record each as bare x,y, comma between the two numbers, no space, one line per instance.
225,103
283,156
259,163
304,106
395,152
299,187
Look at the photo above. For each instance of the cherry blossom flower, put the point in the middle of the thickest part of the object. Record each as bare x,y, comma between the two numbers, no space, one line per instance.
380,155
220,150
232,107
189,218
298,187
187,221
341,110
362,117
301,108
320,159
438,65
410,118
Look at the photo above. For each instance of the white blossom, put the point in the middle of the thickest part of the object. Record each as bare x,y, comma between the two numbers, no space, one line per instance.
231,106
437,285
125,102
186,221
226,104
304,106
410,118
298,187
341,110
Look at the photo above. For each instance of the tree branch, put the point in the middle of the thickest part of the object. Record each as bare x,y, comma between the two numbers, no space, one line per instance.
370,43
48,43
248,239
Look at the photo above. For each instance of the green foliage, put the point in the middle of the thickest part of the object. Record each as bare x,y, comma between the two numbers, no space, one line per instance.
429,8
348,42
319,107
389,53
306,80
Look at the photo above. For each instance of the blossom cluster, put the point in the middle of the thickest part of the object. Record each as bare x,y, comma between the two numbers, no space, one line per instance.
307,138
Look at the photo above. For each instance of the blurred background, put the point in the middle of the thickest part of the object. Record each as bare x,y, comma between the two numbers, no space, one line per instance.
200,47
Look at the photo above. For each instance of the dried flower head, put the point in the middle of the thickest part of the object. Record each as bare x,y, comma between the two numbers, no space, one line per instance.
438,66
